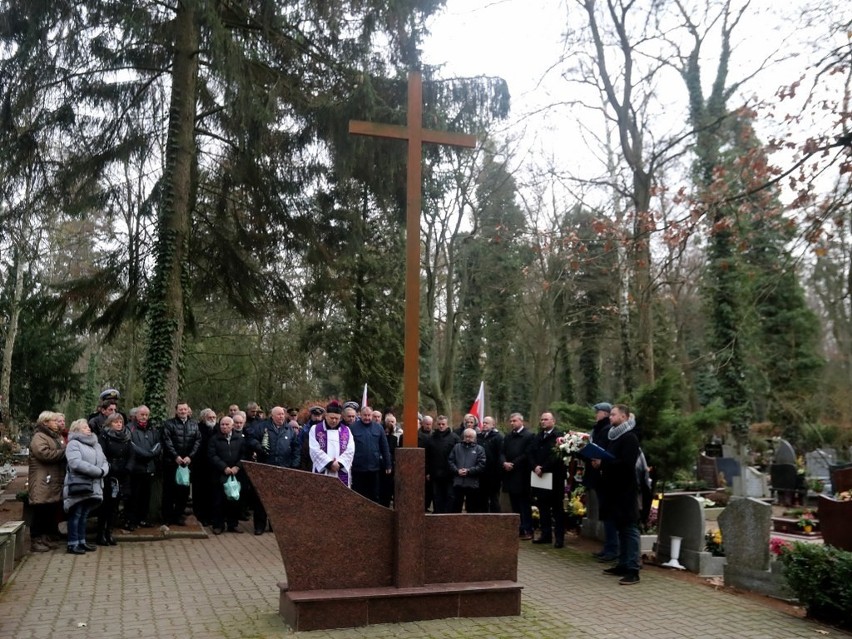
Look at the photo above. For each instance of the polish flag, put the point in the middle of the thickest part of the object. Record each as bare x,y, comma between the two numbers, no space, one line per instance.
364,397
478,408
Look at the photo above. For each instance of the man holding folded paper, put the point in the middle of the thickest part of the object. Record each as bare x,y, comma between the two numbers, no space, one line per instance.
548,482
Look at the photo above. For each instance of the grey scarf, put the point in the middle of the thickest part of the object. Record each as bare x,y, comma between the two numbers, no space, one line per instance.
617,431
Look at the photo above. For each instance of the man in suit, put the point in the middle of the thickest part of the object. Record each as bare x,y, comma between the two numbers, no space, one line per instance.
544,458
516,472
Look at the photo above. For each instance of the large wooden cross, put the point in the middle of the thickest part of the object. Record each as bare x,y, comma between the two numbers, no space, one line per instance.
416,135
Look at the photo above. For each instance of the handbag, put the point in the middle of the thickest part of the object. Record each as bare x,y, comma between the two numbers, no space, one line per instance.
80,488
182,476
232,488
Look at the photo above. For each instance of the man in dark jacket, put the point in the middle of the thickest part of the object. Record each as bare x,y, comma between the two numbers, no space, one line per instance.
424,434
181,441
226,451
621,492
438,470
491,441
516,472
544,459
146,449
591,479
467,463
277,444
372,455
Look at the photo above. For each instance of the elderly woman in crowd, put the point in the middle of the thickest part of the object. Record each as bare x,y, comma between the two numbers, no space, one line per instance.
46,476
87,466
115,442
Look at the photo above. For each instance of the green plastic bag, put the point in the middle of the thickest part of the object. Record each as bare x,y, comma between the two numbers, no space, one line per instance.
182,476
232,488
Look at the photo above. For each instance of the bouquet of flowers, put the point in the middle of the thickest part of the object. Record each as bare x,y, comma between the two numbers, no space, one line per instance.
778,546
572,443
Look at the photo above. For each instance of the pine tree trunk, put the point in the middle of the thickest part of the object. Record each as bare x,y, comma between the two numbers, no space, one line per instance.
167,319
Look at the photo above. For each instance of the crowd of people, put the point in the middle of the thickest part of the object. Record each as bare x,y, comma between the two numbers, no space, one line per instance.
112,464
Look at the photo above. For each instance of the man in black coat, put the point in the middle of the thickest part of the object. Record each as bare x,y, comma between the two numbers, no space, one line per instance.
621,492
516,472
438,471
181,443
491,441
544,458
226,451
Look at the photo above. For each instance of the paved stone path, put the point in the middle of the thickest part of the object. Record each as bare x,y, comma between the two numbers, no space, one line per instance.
225,586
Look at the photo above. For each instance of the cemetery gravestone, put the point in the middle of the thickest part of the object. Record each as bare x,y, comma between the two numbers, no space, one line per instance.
784,453
682,516
708,471
745,525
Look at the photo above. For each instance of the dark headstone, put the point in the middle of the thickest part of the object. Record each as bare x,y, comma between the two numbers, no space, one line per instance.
834,517
784,453
708,471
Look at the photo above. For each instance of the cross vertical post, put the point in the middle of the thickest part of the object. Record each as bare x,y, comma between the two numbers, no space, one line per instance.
416,135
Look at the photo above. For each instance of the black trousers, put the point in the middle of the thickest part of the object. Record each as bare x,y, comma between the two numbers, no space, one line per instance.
366,482
552,512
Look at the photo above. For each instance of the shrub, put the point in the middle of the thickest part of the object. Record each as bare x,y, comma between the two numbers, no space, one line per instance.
821,578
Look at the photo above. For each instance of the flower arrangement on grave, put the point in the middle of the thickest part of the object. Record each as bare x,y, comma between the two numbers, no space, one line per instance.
8,449
816,484
806,521
778,546
650,527
576,502
846,495
713,543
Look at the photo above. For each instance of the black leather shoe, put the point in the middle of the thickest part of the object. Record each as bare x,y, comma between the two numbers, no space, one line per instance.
76,550
234,529
111,540
102,540
616,571
543,540
559,544
258,531
88,547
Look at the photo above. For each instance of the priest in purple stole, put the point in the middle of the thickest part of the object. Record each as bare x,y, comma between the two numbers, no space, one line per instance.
332,446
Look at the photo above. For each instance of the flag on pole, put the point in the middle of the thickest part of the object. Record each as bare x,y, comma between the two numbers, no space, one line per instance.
364,397
478,408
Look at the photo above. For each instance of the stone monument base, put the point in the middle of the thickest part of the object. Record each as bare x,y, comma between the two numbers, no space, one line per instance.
351,607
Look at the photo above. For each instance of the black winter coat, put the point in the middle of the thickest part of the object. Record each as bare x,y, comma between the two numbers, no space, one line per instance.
492,443
223,454
618,480
516,449
147,447
181,439
438,450
118,451
543,453
599,436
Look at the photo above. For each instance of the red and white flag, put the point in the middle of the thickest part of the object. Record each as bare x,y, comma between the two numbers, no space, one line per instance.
478,408
364,397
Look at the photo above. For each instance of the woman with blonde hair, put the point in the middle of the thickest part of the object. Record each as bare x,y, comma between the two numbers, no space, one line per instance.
84,483
46,477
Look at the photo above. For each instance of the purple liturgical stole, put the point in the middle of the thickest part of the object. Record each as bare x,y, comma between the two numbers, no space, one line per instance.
322,440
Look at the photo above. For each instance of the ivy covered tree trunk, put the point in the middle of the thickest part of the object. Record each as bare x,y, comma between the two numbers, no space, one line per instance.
9,348
167,318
